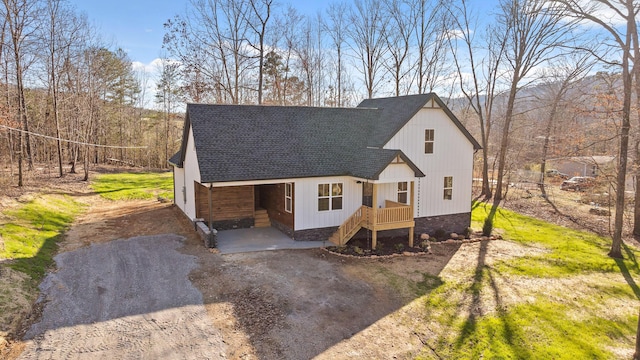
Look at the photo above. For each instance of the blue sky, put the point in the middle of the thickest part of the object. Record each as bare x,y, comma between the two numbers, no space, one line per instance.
137,25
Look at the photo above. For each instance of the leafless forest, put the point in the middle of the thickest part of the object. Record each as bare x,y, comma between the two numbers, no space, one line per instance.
532,80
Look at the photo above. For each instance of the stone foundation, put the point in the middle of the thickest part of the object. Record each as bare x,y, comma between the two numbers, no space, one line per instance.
448,223
456,223
245,223
320,234
283,228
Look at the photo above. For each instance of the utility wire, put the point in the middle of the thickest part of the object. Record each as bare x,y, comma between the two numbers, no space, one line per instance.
72,141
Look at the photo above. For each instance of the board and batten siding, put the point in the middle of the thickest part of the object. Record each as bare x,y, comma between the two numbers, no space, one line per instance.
389,179
388,191
179,197
396,173
452,156
307,215
190,172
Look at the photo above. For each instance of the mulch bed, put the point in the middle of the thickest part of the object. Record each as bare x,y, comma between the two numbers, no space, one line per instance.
388,246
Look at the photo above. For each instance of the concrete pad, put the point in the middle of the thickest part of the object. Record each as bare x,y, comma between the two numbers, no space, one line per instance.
261,239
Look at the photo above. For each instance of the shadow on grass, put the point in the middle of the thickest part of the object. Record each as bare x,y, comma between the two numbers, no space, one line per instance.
321,289
38,265
624,270
470,330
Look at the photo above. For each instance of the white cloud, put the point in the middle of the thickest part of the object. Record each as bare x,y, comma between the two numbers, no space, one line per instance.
603,12
147,76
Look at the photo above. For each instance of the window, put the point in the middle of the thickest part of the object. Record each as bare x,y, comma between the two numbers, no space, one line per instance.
330,196
428,141
448,187
402,192
288,197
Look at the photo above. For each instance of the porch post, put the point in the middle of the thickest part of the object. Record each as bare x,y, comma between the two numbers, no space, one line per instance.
211,215
374,215
411,201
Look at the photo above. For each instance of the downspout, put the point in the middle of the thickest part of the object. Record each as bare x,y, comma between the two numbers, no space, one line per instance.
211,241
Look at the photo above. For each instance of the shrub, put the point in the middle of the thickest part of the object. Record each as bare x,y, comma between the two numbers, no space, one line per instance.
425,245
467,232
399,247
440,234
379,247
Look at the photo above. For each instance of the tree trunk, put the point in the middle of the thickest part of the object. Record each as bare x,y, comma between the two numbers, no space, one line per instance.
56,117
636,355
636,205
547,135
504,143
616,244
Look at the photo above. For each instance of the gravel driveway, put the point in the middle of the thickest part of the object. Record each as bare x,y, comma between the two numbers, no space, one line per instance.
126,299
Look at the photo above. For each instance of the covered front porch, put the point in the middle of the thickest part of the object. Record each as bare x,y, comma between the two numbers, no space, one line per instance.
246,205
394,215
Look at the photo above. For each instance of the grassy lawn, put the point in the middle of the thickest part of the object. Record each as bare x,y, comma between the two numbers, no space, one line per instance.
29,235
134,186
558,297
31,232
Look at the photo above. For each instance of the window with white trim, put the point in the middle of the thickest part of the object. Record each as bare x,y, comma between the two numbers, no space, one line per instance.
329,196
448,187
402,192
288,197
429,136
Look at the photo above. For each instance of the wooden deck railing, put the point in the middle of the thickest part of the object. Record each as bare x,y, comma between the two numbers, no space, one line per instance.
363,217
389,204
351,225
393,214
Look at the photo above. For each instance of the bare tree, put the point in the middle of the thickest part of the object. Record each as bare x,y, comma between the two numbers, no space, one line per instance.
431,42
21,17
167,95
480,91
623,39
335,27
211,41
367,41
258,23
401,25
562,77
60,34
308,53
536,31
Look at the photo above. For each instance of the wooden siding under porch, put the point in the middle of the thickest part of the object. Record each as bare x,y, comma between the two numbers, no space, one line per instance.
229,203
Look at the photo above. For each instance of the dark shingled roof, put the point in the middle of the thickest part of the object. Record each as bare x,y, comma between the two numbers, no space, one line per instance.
396,111
247,142
176,159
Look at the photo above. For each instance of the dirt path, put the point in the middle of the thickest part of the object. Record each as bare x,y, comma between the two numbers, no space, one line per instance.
124,299
295,304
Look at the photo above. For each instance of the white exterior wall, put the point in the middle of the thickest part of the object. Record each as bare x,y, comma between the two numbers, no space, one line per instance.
191,173
306,202
389,179
452,156
178,183
396,173
388,192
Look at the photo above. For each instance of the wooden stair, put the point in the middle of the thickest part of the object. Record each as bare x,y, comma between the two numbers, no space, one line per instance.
350,227
261,218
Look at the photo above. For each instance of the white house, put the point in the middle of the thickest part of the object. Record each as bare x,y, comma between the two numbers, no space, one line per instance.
319,173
